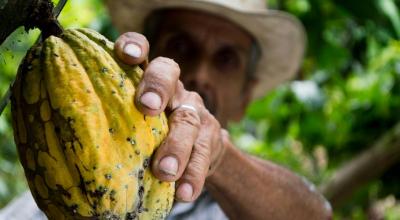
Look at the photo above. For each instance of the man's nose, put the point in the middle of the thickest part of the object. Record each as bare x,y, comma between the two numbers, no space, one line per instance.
198,79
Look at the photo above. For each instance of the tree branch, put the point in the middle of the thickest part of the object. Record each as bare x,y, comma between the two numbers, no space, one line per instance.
367,166
28,13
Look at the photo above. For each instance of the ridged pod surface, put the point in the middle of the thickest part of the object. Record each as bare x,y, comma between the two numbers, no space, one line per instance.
84,146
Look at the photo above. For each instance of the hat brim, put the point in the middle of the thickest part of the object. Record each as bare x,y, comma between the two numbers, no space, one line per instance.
281,37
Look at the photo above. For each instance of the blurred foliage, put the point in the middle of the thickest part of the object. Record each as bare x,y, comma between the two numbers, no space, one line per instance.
345,97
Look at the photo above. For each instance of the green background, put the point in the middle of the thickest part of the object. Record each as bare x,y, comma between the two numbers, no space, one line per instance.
346,96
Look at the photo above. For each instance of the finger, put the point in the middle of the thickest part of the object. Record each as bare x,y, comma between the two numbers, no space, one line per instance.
158,86
172,156
192,181
132,48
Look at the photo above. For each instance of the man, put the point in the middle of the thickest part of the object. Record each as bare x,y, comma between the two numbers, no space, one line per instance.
228,52
222,54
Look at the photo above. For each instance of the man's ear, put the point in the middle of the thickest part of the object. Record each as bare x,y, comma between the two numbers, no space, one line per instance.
246,98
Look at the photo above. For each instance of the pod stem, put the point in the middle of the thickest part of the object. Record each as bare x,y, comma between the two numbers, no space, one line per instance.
42,16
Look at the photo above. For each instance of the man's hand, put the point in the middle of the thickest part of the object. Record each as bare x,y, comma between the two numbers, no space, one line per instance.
194,144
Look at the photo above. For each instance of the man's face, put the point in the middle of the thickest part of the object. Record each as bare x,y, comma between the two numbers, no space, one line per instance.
213,56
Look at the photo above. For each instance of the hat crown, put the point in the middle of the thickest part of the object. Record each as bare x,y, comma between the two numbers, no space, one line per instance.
242,5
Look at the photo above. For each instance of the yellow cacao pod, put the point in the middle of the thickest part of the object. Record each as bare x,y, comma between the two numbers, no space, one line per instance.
84,146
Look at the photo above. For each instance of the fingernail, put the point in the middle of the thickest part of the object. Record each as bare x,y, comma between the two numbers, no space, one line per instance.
133,50
169,165
185,192
151,100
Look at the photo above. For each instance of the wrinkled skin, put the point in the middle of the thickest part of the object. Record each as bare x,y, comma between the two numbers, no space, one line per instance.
212,56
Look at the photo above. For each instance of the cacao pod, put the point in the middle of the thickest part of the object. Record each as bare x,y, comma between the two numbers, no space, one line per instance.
84,146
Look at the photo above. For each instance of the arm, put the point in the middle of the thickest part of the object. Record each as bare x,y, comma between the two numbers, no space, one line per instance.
250,188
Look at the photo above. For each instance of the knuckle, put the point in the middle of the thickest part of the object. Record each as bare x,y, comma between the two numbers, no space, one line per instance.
194,174
197,168
207,118
215,123
195,96
167,61
157,83
210,121
169,64
178,146
202,150
181,116
157,71
134,36
224,134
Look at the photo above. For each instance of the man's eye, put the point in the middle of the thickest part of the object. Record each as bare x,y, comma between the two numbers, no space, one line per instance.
227,59
178,46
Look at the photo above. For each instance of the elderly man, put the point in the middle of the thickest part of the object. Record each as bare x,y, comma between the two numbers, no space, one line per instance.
209,59
223,53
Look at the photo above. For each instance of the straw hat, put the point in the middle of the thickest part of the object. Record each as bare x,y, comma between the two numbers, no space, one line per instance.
280,36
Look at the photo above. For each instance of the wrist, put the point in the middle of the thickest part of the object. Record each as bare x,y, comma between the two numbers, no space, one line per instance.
218,159
220,168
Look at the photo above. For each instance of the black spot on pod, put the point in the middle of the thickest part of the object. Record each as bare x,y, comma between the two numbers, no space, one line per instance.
131,140
74,208
94,205
70,120
140,174
141,192
131,216
108,176
140,204
111,130
62,191
108,215
141,209
104,70
89,182
112,195
146,163
99,192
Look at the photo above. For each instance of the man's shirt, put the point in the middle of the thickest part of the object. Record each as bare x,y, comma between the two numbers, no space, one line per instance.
25,208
